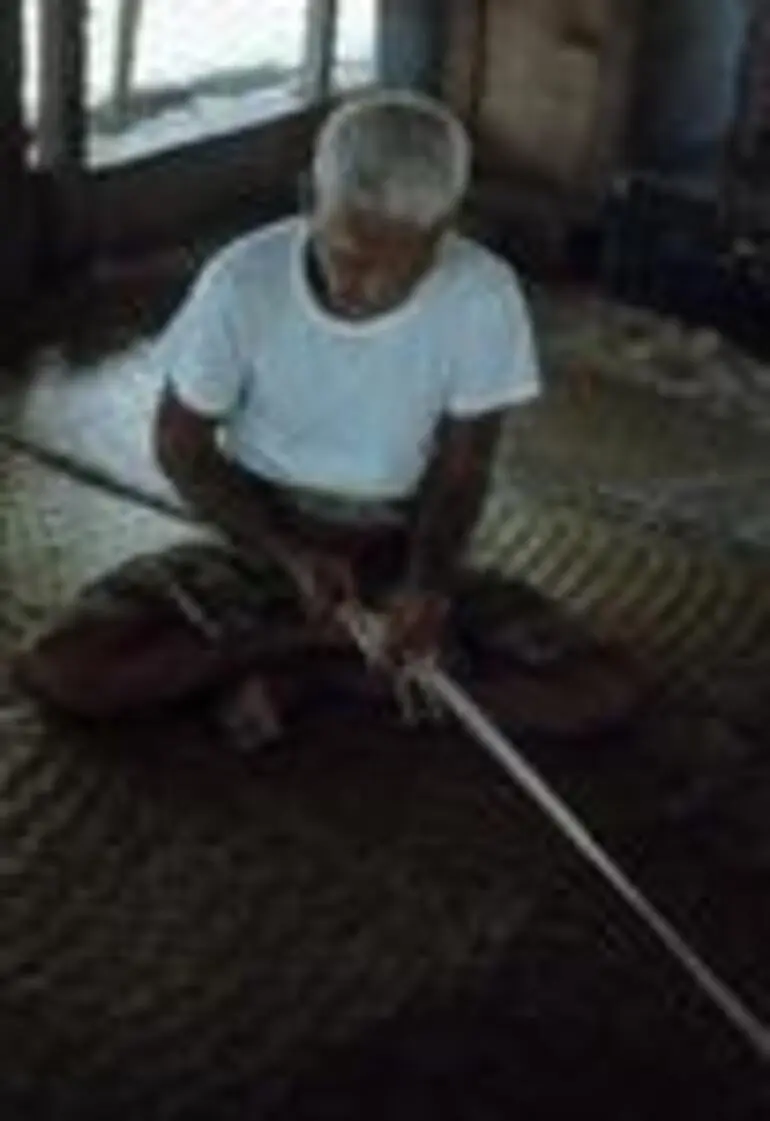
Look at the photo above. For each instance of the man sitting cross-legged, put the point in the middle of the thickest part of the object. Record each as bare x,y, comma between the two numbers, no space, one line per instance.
335,390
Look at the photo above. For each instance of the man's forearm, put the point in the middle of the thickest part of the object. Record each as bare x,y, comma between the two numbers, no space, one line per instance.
225,496
445,519
450,501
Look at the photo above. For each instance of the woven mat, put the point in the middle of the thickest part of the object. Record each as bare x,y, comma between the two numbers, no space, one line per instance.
583,331
100,415
58,535
365,924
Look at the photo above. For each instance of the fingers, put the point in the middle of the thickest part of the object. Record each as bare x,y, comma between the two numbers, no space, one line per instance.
332,583
342,580
415,628
400,639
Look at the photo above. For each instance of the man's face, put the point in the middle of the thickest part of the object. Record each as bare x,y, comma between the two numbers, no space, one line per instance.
370,264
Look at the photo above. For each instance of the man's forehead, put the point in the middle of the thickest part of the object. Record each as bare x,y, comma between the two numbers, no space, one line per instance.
375,231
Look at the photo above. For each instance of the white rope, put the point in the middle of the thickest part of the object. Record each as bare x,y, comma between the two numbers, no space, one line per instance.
477,723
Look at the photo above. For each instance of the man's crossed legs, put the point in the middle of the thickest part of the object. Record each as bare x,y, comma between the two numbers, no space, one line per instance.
195,624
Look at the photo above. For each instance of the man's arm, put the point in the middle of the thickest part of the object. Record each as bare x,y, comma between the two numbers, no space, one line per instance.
223,495
450,500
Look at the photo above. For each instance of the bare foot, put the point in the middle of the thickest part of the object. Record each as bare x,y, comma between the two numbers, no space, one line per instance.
249,716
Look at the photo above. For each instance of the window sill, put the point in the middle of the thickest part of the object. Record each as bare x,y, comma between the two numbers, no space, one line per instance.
201,119
205,117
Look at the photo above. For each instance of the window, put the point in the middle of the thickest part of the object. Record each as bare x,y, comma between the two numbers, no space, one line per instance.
356,50
162,73
31,39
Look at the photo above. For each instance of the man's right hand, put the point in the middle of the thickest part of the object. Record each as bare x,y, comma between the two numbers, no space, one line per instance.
326,580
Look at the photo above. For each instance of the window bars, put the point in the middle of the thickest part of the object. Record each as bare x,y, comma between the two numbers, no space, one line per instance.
71,41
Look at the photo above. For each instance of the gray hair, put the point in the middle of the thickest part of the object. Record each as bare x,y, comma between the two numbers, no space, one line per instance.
394,153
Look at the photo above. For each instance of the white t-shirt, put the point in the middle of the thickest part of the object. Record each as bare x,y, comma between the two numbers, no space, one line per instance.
310,400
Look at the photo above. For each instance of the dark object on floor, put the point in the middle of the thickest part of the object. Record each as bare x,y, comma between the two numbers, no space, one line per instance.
668,247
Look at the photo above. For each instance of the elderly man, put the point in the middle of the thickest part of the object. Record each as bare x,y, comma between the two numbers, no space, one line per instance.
335,389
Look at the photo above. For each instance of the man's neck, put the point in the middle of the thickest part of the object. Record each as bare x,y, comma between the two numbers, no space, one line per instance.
320,287
316,278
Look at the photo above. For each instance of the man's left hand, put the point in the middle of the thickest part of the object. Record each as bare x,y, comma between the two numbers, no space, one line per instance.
415,625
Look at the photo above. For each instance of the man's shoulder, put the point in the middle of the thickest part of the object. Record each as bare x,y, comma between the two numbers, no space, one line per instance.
245,258
472,270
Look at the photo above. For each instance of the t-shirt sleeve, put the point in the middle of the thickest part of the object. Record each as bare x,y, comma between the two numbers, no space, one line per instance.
200,354
495,363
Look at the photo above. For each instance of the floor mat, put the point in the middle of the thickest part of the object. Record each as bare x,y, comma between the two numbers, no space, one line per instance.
367,923
99,415
56,534
359,926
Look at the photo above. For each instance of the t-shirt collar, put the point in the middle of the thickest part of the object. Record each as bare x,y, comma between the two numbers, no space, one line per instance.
337,323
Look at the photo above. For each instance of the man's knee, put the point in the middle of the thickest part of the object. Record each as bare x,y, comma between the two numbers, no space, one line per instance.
59,674
78,665
119,667
50,679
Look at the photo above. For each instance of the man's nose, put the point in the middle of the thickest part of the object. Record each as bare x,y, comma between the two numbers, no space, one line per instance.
351,283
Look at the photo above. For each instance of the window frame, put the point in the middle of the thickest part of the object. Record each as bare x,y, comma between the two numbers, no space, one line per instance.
62,131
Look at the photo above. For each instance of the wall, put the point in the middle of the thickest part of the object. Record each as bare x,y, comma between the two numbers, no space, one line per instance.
546,89
754,102
690,85
244,179
15,232
411,43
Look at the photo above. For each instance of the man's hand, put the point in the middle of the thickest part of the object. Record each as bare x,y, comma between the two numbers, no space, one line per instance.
450,499
415,625
326,581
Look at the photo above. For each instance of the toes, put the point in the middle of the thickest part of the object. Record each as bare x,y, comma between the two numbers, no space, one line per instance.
250,718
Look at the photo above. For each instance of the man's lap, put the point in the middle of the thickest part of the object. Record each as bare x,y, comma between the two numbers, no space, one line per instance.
530,665
234,597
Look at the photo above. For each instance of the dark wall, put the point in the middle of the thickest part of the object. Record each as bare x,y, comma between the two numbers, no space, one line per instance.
689,85
15,203
412,42
242,178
